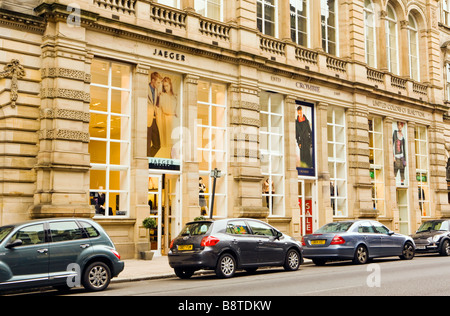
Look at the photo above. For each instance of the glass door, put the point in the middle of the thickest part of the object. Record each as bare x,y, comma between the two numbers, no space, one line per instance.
402,204
155,206
172,210
306,202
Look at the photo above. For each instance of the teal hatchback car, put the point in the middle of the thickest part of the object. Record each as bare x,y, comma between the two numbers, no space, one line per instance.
64,253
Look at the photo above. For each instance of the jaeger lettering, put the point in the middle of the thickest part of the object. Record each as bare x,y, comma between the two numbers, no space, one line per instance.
169,55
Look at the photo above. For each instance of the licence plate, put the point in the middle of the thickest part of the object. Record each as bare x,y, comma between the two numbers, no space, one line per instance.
421,247
317,242
185,247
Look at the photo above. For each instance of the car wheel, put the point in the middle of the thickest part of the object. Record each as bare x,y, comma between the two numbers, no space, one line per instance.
445,248
408,251
226,266
183,273
361,255
96,277
293,261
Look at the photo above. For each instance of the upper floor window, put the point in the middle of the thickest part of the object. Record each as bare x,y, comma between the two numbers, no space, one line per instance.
170,3
392,40
413,35
329,26
370,34
422,170
267,17
299,21
446,12
212,9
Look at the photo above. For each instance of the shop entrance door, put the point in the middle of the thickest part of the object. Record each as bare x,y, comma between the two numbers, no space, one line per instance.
403,208
155,206
172,210
307,203
164,200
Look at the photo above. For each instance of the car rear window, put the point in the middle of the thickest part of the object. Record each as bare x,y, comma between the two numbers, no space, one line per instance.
196,229
335,227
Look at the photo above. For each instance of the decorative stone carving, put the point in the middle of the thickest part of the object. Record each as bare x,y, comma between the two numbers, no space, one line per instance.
15,71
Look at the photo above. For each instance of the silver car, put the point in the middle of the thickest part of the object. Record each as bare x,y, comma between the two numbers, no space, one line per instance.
358,240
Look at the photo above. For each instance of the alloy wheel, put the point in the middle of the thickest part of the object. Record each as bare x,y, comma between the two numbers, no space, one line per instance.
226,266
361,255
408,251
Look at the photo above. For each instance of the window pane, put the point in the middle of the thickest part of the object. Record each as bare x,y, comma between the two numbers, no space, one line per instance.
97,150
63,231
99,99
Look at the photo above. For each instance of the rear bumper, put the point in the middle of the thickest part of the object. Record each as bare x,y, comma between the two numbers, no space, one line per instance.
197,260
331,252
118,268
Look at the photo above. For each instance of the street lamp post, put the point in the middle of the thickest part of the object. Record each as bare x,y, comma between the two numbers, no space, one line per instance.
216,173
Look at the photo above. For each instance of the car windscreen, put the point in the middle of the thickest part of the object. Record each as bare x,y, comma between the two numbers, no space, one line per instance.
196,229
340,227
433,225
4,231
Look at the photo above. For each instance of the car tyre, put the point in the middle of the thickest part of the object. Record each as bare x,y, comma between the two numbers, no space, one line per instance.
226,266
408,251
293,260
184,273
445,248
96,277
361,255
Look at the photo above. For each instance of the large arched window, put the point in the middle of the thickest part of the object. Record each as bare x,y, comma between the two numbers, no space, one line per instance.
392,40
413,36
370,34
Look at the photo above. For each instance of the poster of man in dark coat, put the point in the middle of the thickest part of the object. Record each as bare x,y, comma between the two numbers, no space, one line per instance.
304,135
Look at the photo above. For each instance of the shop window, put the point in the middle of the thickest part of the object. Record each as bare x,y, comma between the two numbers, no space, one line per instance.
413,35
376,158
212,9
272,152
392,40
300,21
422,170
337,161
370,33
267,13
212,145
110,130
329,24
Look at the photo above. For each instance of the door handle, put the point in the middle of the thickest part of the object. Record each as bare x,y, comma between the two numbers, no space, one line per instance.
42,251
84,246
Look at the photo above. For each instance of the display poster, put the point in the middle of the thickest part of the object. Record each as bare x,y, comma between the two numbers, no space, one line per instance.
400,141
304,138
163,121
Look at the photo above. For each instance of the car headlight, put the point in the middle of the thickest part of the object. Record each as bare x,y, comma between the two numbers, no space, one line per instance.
436,238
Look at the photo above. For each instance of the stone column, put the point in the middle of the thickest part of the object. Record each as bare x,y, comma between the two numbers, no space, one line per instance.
190,167
358,162
323,174
63,161
245,164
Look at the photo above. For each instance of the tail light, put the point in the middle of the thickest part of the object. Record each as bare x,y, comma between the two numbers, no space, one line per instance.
115,253
303,241
209,241
171,244
338,240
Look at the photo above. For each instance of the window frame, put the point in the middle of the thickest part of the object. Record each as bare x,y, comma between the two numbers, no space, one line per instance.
205,174
109,167
206,5
370,29
377,165
263,20
271,154
413,31
326,26
296,16
418,142
389,49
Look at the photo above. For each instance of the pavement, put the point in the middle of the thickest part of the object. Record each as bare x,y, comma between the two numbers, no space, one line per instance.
157,268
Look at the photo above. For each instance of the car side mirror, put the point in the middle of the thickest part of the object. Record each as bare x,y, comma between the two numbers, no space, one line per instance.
278,235
15,243
390,233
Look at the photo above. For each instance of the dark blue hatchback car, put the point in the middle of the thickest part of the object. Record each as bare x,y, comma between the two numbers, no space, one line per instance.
64,253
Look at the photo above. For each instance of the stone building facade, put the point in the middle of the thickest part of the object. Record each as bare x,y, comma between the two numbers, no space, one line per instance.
313,111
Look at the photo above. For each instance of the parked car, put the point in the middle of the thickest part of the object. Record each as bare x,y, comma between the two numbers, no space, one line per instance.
231,244
63,253
358,240
433,236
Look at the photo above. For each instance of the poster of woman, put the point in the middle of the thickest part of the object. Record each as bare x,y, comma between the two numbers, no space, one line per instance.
399,140
304,135
164,117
